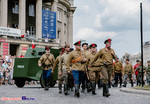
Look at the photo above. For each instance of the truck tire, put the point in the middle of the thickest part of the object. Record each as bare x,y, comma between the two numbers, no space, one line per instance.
42,82
20,83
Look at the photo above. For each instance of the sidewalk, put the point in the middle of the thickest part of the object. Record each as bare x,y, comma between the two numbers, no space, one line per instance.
135,91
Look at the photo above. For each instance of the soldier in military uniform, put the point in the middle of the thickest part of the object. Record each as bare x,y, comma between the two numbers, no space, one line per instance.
77,59
70,78
84,80
46,62
117,71
148,72
55,64
63,69
106,55
94,70
139,76
128,73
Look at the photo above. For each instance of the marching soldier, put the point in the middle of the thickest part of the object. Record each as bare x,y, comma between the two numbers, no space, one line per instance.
84,80
77,58
117,71
148,72
107,55
128,73
94,70
55,64
46,62
139,76
70,77
63,69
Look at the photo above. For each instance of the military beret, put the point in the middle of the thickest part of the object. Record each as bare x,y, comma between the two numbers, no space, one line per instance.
67,45
108,40
137,60
93,45
77,43
127,59
62,49
84,44
148,61
47,47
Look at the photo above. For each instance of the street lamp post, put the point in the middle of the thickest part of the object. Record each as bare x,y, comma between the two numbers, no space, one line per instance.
141,20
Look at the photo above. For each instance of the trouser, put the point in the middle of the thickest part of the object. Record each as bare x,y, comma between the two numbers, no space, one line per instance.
139,79
130,78
77,75
60,79
94,76
70,81
137,83
65,76
84,81
116,78
46,76
106,72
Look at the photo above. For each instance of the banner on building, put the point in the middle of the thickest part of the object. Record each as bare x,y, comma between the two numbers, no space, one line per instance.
10,31
48,24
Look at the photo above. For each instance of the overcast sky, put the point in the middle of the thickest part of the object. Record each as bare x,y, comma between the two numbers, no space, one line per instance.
98,20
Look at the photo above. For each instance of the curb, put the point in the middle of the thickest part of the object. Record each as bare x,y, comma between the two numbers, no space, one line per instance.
135,91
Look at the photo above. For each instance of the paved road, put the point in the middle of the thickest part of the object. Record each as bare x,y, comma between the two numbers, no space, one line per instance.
53,97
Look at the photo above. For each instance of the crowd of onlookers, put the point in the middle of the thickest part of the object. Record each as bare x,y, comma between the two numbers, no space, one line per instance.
6,69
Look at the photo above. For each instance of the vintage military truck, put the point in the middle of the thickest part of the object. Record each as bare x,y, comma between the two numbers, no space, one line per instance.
27,69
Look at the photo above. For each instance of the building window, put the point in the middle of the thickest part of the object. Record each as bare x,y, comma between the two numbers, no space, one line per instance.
15,7
15,26
58,34
32,30
59,15
31,10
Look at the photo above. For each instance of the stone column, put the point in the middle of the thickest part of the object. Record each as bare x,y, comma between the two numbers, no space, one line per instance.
54,9
54,6
4,13
22,16
70,30
62,35
39,18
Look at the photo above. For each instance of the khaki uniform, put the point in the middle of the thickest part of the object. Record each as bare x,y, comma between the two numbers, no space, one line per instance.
148,72
55,64
93,71
118,70
128,71
77,65
118,67
106,63
48,60
139,76
63,68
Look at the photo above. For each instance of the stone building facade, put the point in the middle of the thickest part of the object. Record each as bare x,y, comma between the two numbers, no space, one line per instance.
26,16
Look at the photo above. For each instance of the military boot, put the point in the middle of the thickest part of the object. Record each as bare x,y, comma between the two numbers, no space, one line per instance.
93,88
77,94
46,84
65,89
131,83
125,84
109,84
89,88
106,90
60,88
